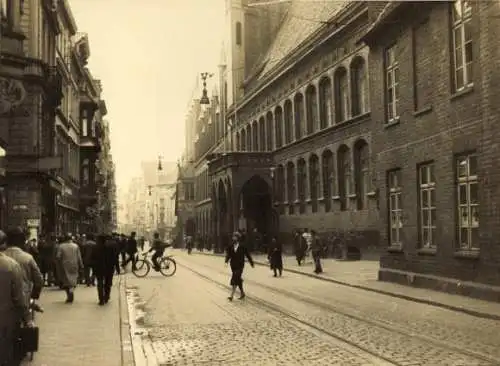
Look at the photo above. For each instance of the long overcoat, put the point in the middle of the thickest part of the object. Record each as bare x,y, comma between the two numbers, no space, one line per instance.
69,262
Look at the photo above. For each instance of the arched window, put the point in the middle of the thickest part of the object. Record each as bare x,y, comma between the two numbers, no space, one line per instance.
312,109
255,137
290,189
85,172
341,94
314,182
278,126
325,102
344,176
238,35
249,138
361,173
298,105
238,142
359,84
262,133
243,140
269,131
288,121
280,183
328,178
301,184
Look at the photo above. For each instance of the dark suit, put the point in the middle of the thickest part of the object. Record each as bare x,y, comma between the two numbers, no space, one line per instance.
236,260
104,261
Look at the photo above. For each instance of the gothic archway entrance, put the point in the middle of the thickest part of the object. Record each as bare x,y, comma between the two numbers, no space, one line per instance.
256,206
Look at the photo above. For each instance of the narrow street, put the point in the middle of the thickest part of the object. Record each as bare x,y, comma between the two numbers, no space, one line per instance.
297,320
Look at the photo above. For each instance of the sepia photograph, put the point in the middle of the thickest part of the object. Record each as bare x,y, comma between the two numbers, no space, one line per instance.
249,183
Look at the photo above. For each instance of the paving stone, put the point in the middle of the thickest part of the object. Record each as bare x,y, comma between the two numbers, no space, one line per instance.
447,332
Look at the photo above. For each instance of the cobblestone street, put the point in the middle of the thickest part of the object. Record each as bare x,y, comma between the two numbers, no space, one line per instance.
296,320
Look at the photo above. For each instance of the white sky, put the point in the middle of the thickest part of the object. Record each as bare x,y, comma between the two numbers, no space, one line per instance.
148,54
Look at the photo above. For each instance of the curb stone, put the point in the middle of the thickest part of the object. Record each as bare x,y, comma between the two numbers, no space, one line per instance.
478,314
127,353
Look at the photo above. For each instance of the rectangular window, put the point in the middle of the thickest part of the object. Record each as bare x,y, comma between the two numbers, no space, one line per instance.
462,44
85,123
395,207
238,34
391,84
427,206
468,202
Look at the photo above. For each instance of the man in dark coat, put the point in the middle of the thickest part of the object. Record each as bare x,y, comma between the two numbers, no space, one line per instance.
88,245
105,257
235,255
131,249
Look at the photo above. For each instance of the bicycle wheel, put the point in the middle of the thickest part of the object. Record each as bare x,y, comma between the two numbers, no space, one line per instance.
142,268
168,266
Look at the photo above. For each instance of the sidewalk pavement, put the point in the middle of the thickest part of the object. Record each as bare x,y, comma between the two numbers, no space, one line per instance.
363,274
83,333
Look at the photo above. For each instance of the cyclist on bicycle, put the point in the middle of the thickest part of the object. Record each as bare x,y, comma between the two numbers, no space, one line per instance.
158,246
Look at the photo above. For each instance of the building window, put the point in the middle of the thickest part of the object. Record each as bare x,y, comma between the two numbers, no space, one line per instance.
269,131
312,109
238,142
298,104
462,44
85,124
249,138
427,203
301,184
391,84
314,182
395,208
238,34
341,94
359,86
328,181
280,183
325,102
85,172
288,122
262,133
255,137
243,140
344,176
362,174
290,182
468,202
278,126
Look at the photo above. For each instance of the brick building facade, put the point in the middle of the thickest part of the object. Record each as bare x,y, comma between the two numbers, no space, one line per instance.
434,89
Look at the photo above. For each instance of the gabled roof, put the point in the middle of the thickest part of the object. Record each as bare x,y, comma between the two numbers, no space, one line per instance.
302,20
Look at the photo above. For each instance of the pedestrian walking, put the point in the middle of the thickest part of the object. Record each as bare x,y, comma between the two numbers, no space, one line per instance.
32,277
276,257
316,250
13,309
45,250
235,256
105,259
300,247
69,261
88,246
131,250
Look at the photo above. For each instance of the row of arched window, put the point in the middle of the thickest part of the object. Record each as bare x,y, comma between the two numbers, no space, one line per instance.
322,107
328,178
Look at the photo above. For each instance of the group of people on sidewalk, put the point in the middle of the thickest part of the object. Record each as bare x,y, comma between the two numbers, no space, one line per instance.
25,268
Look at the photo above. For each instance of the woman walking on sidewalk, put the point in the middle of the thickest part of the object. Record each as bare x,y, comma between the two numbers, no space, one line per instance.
235,255
276,257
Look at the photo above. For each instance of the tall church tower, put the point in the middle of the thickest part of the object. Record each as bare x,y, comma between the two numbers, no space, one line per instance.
250,31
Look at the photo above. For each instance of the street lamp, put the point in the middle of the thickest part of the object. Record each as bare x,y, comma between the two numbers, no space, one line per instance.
204,97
